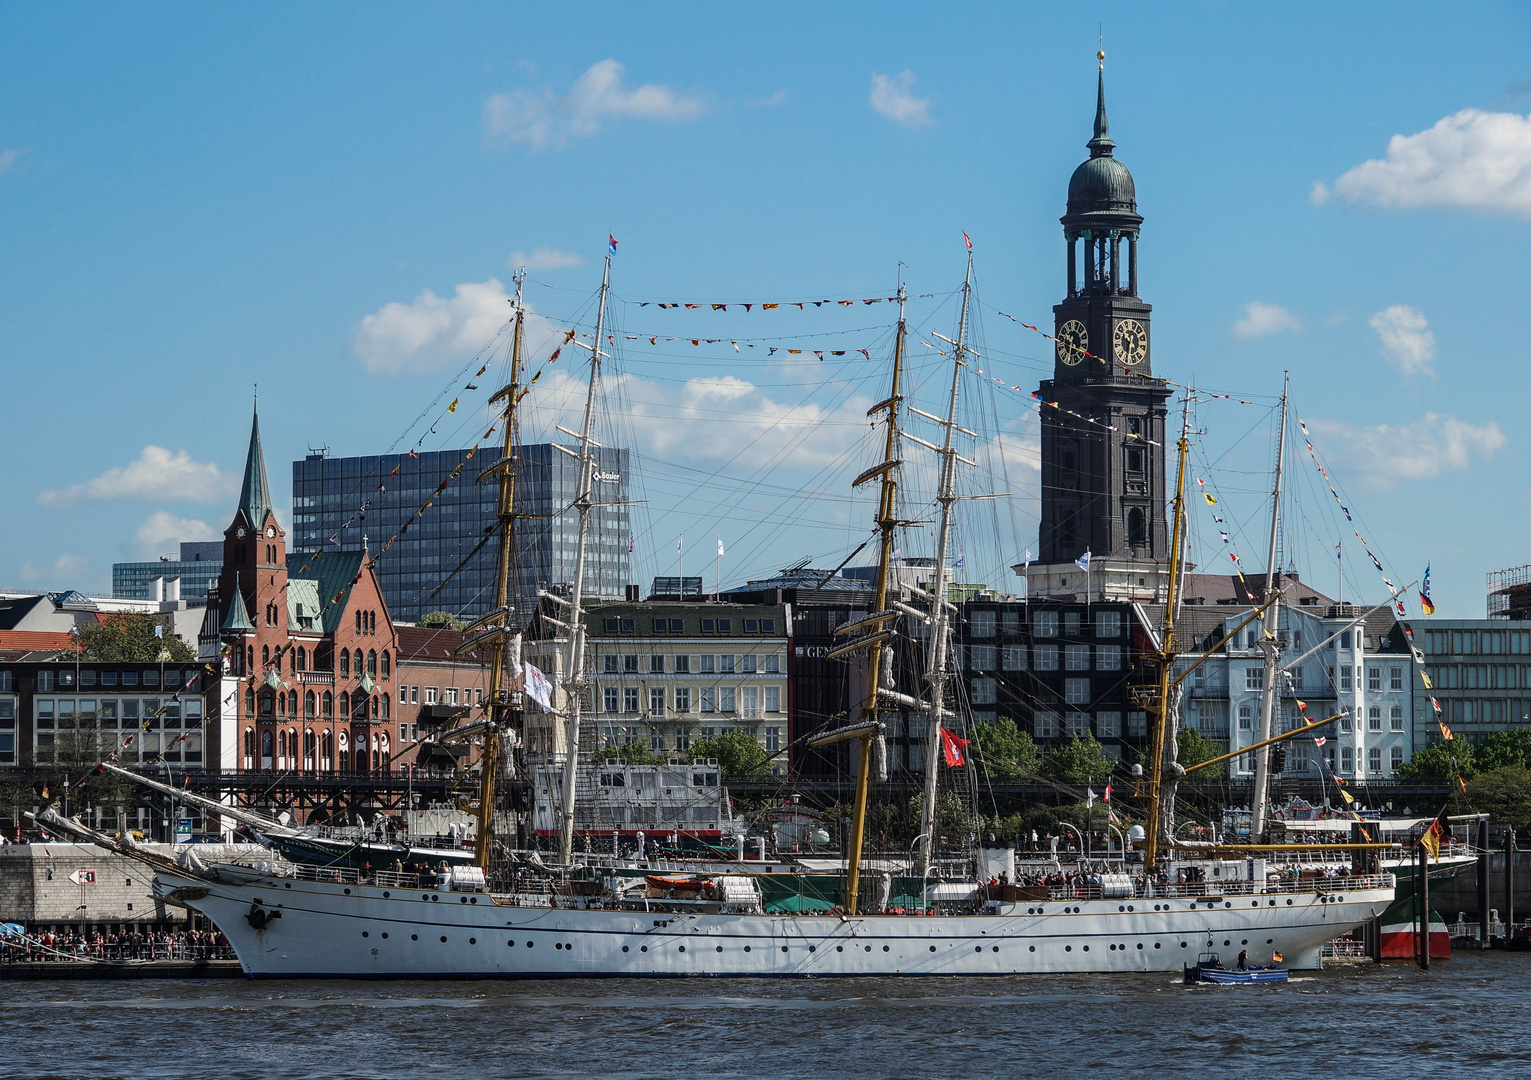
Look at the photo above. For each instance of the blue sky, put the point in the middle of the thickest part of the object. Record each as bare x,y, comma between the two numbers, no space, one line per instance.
196,198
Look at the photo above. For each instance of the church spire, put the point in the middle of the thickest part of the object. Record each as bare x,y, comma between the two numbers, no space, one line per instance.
1101,145
255,495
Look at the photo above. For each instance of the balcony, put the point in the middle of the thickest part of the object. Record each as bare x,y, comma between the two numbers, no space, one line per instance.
317,678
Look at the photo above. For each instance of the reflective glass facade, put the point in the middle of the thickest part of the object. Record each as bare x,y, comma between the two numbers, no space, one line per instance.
328,496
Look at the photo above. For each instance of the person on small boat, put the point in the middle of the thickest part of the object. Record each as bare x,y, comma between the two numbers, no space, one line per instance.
1244,960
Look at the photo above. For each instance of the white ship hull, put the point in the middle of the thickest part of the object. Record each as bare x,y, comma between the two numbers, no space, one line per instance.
364,931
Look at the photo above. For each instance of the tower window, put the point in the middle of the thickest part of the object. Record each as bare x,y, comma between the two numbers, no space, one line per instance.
1134,461
1137,527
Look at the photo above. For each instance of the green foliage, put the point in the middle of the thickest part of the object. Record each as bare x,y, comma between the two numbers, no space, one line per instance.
1196,748
635,752
1078,761
442,618
1504,794
737,752
1006,751
1503,750
1434,762
130,637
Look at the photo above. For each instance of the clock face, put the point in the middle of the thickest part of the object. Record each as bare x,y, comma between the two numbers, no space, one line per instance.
1073,340
240,532
1130,342
270,532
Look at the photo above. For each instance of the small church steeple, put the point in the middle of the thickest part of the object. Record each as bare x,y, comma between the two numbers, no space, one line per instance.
255,495
1101,145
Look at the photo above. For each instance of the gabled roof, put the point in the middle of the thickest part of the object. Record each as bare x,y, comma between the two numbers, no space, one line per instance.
333,573
14,642
436,645
14,609
303,604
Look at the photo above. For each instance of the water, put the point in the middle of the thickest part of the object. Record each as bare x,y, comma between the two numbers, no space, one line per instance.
1470,1013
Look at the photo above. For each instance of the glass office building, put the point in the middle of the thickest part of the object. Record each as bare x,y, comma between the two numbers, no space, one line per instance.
336,502
197,567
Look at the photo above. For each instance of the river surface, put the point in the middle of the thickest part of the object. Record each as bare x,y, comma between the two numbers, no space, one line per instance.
1467,1016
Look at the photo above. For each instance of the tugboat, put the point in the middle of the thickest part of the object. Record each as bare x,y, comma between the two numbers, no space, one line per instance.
1209,968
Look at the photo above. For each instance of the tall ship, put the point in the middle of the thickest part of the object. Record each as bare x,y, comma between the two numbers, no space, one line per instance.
567,913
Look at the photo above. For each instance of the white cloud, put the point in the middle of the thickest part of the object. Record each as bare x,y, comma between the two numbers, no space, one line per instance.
544,258
1261,319
778,98
1406,339
163,531
8,160
62,568
894,99
1385,454
1473,160
158,474
541,119
431,330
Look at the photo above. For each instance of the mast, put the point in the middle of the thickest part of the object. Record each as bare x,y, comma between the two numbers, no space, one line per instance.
1269,645
575,679
1167,651
935,670
500,711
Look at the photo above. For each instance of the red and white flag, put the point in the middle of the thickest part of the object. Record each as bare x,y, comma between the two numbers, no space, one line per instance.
1107,795
952,747
966,241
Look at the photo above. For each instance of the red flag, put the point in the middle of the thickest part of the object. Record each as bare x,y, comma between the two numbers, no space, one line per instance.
952,747
1107,795
966,241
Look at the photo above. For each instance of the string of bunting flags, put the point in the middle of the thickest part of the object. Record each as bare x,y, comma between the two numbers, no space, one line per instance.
774,305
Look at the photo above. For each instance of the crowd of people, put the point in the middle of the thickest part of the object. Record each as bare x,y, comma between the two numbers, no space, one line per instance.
128,945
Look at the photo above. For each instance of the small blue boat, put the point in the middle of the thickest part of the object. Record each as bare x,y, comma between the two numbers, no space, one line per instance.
1209,968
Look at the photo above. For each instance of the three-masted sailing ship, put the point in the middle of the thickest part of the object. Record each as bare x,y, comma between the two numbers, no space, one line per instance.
311,921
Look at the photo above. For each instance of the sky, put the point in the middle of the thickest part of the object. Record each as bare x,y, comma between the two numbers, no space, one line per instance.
330,201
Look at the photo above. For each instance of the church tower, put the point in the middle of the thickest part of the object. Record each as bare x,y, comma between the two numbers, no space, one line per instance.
1102,412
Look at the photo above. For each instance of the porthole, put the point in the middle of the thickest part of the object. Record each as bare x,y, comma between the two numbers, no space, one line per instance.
443,939
386,895
287,886
1288,903
1270,941
1156,945
473,941
1226,943
1156,907
1121,907
416,937
472,899
1273,903
1182,944
1113,948
884,948
435,896
1129,907
1033,948
624,948
720,948
682,948
932,948
1140,946
783,948
1086,948
528,944
839,948
1244,942
1227,903
996,948
811,948
1254,903
746,949
1339,899
348,892
1030,912
1068,948
868,948
1040,911
462,899
385,933
558,945
1193,907
364,933
425,896
643,948
978,948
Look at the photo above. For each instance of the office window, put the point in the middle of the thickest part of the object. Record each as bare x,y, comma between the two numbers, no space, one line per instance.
747,663
1109,658
773,699
656,664
1374,759
1395,678
1347,759
750,702
683,699
677,626
1395,720
1076,691
630,663
984,692
773,740
1044,623
725,626
1015,658
1396,758
1254,679
630,699
726,699
726,665
683,738
1373,679
1108,624
1374,719
981,657
609,664
1108,725
612,625
414,696
1246,718
752,626
982,624
430,695
661,626
1045,657
1078,724
708,665
451,693
611,699
1076,657
709,699
1010,622
656,701
683,665
1137,724
709,626
772,664
1345,679
1044,725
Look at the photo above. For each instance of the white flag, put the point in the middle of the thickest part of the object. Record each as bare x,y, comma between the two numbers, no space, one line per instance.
1089,796
961,558
678,539
720,547
1026,559
1083,562
538,688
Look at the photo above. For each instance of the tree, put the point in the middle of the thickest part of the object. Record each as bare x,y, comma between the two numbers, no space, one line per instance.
130,636
1504,794
634,753
1078,761
1006,751
442,618
737,752
1196,748
1504,749
1434,762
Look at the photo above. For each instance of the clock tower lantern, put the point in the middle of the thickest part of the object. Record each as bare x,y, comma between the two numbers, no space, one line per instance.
1102,412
